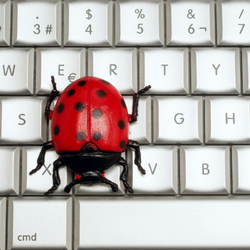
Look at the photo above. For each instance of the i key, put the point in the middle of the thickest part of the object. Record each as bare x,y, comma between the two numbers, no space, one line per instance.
36,23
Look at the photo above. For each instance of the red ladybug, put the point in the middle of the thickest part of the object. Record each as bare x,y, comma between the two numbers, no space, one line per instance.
89,128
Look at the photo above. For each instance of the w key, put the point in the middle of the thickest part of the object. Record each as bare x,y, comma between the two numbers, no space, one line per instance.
23,120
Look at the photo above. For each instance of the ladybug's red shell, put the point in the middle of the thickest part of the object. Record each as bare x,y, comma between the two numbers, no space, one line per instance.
90,111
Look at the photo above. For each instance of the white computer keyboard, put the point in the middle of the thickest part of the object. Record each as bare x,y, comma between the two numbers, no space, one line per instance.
193,124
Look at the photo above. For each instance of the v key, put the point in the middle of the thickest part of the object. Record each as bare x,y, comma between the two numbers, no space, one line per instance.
152,170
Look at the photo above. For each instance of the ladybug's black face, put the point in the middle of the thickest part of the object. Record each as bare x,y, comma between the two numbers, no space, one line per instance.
85,161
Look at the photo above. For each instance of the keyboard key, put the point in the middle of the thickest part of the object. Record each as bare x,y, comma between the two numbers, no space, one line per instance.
215,71
66,65
233,19
16,75
162,223
5,14
178,120
117,66
160,163
36,23
43,223
227,120
190,23
9,173
23,120
245,70
141,129
113,174
158,67
41,181
2,222
88,23
139,23
204,170
241,170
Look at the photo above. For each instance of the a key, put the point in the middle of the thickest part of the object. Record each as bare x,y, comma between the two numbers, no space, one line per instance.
158,67
227,120
118,66
204,170
66,65
36,23
162,223
190,23
139,23
161,165
2,222
5,15
88,23
178,120
16,73
245,70
41,181
240,169
215,71
9,171
141,129
43,223
233,22
23,120
113,174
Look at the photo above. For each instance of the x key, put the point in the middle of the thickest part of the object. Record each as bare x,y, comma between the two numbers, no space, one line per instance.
46,169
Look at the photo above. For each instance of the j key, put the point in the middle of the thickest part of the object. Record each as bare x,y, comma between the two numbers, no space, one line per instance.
88,23
2,222
233,22
241,170
16,73
141,129
204,170
41,181
215,71
161,165
23,120
9,172
43,223
158,67
178,120
162,223
139,23
190,23
118,66
66,65
227,120
113,174
5,10
36,23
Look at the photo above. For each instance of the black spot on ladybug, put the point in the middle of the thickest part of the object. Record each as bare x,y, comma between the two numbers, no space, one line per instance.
71,92
105,82
79,106
123,103
97,113
56,130
122,144
121,124
101,93
60,108
97,136
81,83
80,136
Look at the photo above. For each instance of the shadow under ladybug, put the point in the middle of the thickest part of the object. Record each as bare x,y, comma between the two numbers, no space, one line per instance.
89,128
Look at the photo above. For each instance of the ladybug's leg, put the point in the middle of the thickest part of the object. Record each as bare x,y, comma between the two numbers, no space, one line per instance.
124,175
112,184
135,145
70,185
53,94
136,96
40,159
56,179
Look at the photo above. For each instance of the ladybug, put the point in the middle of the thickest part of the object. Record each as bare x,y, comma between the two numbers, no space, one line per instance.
89,128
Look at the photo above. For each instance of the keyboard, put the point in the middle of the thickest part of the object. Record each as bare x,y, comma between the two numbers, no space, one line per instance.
193,125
